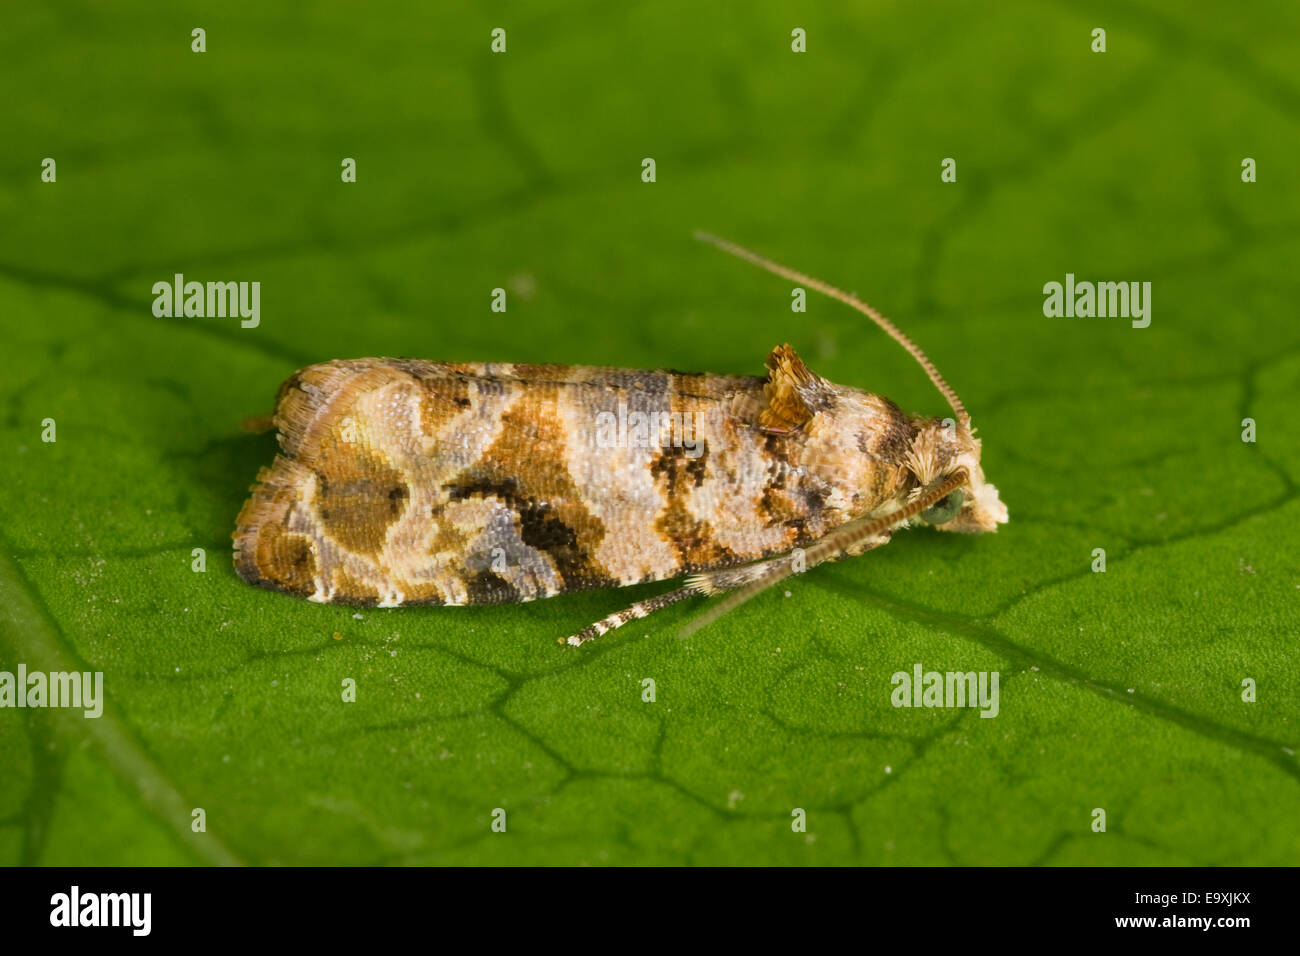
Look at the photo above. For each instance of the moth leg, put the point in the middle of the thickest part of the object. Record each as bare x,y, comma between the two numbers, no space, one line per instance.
745,582
712,582
861,547
638,610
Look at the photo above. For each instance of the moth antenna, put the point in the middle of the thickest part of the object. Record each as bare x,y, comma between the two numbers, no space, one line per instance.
854,302
841,539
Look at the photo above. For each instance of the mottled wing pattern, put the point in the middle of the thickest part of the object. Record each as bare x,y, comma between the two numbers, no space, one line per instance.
410,482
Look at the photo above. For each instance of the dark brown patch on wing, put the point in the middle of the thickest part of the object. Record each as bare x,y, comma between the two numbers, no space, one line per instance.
888,446
778,507
541,372
487,588
674,462
441,400
287,560
676,474
525,469
896,437
358,496
541,529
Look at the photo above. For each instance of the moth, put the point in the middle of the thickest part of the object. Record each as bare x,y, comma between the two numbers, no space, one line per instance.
409,482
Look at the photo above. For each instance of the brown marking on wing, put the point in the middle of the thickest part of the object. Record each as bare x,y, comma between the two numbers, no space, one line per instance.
288,559
677,476
886,445
525,469
349,589
778,507
262,553
358,497
486,587
441,400
313,402
449,538
542,372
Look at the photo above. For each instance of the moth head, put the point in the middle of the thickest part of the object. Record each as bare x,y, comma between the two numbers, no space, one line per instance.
943,446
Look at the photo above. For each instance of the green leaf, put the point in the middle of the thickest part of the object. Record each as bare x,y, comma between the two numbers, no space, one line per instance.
1120,690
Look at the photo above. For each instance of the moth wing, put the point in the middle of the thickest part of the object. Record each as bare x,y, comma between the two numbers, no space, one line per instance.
318,520
409,482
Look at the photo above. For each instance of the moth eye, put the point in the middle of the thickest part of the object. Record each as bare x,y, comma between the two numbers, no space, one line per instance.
945,509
